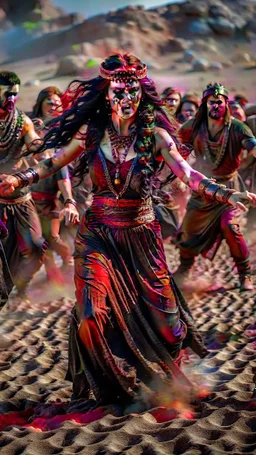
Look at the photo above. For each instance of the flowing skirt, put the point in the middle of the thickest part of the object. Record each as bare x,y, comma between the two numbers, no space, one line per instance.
130,320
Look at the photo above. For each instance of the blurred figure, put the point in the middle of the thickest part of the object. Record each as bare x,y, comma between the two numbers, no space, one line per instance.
250,113
171,97
189,104
45,196
241,99
48,105
237,111
24,246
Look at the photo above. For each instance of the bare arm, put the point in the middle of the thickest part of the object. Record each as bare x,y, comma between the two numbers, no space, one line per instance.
47,167
29,134
70,211
65,188
64,156
166,146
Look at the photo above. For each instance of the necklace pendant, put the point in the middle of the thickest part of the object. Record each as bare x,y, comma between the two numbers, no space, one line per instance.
117,180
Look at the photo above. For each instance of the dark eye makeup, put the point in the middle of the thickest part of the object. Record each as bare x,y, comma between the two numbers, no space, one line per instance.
11,94
215,102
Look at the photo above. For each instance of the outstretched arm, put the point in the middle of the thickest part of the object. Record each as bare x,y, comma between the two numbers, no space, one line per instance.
166,146
194,179
43,169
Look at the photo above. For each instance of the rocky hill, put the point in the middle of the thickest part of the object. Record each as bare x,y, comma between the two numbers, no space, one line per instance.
193,36
213,28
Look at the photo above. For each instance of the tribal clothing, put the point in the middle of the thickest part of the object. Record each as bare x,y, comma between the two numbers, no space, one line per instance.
45,196
24,246
207,223
130,319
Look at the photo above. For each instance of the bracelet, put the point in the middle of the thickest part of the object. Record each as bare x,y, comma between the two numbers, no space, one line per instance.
70,201
27,178
210,190
34,174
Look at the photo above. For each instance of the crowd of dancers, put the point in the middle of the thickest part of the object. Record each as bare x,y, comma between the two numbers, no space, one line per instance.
120,168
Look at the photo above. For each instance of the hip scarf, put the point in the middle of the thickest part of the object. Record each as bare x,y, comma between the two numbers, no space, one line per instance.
123,213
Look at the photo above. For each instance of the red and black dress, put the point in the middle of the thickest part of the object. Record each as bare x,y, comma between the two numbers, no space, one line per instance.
123,286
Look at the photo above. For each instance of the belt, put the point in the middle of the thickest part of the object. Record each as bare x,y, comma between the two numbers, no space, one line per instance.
19,200
43,196
120,213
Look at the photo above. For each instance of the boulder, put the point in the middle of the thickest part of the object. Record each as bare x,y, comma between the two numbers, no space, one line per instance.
200,27
216,66
174,45
32,83
202,45
189,55
71,65
200,64
241,57
219,9
222,26
227,64
196,9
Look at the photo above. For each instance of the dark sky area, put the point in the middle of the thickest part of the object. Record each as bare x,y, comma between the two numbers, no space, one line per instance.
92,7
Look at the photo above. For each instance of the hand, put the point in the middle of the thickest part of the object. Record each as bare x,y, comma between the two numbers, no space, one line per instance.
70,214
8,183
238,198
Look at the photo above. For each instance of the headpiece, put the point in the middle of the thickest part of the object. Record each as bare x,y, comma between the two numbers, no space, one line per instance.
121,74
215,90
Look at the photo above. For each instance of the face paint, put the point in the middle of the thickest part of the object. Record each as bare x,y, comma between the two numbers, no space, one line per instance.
51,106
216,107
8,97
172,102
188,110
124,97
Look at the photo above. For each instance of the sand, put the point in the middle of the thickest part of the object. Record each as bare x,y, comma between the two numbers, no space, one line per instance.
33,361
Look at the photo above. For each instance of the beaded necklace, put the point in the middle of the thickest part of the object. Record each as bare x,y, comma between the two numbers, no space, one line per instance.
108,178
11,135
117,141
4,124
220,146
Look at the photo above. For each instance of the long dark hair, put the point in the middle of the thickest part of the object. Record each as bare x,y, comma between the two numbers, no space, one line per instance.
45,93
202,115
84,103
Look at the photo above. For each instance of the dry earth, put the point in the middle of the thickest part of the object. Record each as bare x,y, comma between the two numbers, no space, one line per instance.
33,360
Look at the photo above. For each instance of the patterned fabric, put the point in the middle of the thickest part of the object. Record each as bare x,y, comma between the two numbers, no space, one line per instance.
201,230
240,137
130,320
24,246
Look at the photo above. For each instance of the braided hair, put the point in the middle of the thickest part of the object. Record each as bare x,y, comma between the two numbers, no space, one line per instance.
84,103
